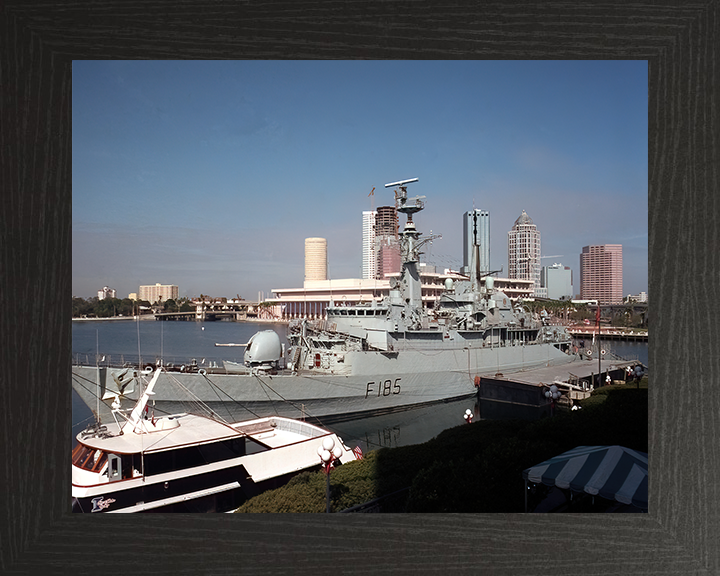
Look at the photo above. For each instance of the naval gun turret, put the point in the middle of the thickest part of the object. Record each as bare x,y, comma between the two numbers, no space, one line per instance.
264,350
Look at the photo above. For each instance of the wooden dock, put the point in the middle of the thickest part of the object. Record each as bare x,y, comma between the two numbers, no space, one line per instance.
575,381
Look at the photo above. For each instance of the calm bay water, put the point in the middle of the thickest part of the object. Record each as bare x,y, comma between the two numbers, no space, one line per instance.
180,342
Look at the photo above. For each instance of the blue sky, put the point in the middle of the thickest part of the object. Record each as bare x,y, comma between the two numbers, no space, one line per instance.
210,175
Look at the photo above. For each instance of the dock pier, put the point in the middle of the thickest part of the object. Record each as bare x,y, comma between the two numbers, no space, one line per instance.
575,381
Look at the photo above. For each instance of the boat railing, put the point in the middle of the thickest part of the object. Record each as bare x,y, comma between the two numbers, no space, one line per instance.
172,363
299,427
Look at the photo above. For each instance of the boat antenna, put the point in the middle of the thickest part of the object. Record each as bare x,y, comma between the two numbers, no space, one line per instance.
97,374
137,324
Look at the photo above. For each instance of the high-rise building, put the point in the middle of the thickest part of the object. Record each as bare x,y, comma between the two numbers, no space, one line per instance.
106,293
387,242
369,252
158,292
524,251
601,274
315,259
476,230
558,281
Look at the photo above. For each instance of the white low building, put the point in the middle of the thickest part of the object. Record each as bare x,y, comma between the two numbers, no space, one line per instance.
313,298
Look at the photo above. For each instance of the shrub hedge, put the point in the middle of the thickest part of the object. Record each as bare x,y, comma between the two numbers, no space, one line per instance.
470,468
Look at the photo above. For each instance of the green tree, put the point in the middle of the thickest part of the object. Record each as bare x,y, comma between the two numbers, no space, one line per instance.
107,307
81,307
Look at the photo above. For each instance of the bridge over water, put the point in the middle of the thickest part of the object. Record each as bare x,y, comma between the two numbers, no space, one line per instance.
236,310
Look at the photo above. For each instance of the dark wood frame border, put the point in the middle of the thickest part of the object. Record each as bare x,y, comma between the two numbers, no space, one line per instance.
38,42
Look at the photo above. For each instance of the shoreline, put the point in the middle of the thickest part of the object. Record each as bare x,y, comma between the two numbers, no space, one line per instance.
141,317
145,317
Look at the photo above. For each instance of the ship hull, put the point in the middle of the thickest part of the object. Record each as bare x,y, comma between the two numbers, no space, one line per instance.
371,383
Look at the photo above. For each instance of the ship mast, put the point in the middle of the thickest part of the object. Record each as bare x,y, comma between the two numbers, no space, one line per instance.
410,276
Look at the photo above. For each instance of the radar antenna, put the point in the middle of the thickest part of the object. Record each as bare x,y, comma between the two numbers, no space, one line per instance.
407,206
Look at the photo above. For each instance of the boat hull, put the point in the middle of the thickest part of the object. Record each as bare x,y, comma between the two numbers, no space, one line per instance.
373,383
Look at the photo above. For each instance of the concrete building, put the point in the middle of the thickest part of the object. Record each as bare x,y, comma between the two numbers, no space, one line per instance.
313,298
388,256
380,243
106,293
158,292
476,229
369,254
558,281
642,297
601,273
315,259
387,242
524,251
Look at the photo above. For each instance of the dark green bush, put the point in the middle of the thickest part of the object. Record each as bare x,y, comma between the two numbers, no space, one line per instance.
469,468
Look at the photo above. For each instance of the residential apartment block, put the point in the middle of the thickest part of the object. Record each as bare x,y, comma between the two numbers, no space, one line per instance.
106,293
158,292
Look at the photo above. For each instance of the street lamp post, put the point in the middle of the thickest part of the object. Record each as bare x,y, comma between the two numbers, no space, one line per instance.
468,416
553,394
328,452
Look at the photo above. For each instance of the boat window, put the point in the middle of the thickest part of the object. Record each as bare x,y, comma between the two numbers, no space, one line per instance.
253,446
225,450
191,456
88,458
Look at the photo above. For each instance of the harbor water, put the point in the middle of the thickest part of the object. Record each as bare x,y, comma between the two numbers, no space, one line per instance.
180,342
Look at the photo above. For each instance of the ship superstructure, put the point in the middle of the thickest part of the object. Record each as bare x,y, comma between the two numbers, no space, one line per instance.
469,314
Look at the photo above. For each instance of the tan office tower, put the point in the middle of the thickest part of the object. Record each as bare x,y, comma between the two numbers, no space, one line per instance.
524,251
315,259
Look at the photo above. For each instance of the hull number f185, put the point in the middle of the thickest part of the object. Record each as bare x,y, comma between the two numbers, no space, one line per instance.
383,388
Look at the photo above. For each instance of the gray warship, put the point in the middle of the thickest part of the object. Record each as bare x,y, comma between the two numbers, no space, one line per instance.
360,360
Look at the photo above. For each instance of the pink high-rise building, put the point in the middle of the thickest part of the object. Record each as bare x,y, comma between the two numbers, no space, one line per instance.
601,273
387,243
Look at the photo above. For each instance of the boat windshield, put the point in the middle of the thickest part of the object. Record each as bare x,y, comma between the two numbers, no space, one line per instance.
88,458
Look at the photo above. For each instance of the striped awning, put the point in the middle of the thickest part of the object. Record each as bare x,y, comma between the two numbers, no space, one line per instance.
613,472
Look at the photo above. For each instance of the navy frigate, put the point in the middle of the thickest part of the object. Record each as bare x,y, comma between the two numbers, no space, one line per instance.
361,360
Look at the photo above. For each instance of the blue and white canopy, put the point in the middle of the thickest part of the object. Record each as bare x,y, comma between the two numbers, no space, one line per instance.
613,472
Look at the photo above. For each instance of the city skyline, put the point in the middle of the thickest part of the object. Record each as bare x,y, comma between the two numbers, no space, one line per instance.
210,175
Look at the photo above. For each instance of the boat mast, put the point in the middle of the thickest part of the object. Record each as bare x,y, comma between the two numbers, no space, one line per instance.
97,374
